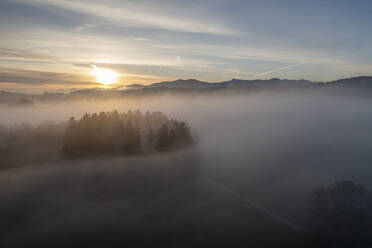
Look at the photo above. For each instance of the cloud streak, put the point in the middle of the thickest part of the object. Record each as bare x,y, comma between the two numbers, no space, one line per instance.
126,15
40,77
329,60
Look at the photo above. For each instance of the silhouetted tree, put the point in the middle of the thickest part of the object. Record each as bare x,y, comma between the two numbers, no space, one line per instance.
150,138
182,133
111,133
132,140
69,148
340,216
162,139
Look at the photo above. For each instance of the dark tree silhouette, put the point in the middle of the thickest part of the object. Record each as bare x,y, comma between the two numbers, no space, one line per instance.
163,138
113,133
150,138
182,133
132,140
69,139
341,216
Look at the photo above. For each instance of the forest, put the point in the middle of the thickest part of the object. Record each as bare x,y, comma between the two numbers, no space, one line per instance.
113,133
94,135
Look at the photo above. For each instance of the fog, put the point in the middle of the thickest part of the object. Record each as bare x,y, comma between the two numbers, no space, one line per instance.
272,149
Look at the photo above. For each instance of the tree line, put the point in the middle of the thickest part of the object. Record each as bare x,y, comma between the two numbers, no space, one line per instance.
340,215
129,133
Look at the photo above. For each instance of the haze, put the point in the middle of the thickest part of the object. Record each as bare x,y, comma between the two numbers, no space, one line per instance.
273,148
224,123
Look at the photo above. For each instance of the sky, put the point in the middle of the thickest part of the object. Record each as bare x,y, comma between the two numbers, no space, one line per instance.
55,45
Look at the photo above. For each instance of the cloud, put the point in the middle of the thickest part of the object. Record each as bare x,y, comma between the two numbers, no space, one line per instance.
86,27
338,60
27,53
125,14
29,77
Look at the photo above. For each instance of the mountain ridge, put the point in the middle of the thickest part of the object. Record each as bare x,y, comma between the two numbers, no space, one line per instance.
361,85
190,83
359,81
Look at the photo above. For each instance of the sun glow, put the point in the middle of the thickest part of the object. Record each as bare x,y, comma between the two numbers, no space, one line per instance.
104,76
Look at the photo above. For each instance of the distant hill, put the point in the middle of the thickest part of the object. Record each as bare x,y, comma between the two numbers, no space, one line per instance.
361,86
363,81
6,96
23,102
135,86
196,84
193,83
180,83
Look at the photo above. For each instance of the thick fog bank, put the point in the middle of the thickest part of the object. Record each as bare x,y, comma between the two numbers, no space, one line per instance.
101,202
271,148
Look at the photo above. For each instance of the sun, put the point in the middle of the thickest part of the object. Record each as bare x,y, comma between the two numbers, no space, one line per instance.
104,76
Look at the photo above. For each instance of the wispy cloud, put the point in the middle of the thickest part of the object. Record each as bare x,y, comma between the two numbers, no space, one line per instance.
126,15
84,27
27,53
29,77
325,60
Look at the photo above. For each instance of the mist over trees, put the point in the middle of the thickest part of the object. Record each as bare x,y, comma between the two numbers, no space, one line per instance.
340,216
113,133
103,134
27,144
272,149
